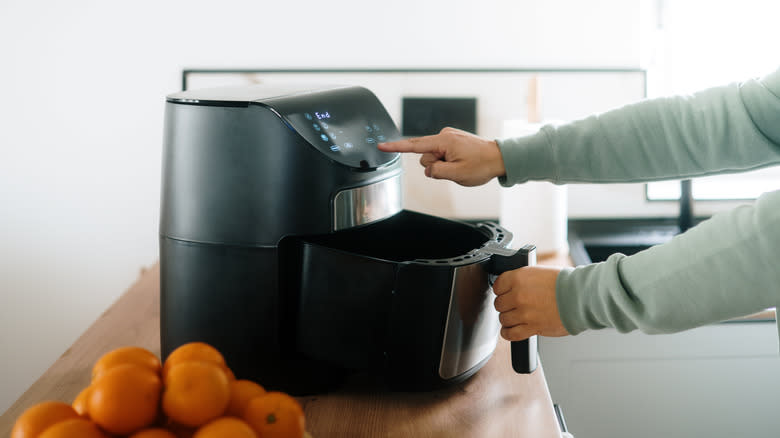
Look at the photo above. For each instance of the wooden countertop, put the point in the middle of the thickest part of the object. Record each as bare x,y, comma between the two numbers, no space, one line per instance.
496,402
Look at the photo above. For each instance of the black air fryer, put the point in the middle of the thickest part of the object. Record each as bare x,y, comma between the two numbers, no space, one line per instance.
283,244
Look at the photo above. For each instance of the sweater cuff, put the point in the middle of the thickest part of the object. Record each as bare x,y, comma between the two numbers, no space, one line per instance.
591,297
527,158
568,301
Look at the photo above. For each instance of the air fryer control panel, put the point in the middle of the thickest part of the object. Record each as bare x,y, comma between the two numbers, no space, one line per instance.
345,124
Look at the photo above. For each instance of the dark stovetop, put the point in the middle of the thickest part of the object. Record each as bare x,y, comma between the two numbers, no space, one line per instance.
593,240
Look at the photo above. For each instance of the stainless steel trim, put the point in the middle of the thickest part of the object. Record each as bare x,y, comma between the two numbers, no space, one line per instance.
472,327
366,204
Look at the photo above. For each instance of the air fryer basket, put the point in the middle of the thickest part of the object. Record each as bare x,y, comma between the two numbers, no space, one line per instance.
406,237
378,296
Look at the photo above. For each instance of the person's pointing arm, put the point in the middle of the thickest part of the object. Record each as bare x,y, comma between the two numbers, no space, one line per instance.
455,155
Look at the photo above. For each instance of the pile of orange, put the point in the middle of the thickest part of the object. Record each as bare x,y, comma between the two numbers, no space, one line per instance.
193,394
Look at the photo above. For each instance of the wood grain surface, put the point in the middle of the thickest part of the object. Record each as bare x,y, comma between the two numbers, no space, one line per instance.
496,402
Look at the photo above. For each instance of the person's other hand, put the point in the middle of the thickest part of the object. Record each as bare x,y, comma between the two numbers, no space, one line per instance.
525,300
455,155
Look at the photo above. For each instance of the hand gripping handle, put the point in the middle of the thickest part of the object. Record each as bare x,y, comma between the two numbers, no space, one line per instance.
524,353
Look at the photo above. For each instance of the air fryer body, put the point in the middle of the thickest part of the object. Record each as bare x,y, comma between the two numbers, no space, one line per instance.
283,244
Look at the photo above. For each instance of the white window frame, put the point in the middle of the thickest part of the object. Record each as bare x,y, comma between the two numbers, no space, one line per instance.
686,49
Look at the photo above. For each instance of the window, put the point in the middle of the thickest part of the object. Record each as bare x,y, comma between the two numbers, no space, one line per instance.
697,44
744,186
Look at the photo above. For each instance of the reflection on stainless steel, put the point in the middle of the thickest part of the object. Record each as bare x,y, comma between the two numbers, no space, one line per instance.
472,322
365,204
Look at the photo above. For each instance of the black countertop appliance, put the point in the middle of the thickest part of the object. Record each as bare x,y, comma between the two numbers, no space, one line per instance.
284,244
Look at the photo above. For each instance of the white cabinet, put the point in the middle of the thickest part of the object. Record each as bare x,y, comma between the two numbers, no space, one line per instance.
721,380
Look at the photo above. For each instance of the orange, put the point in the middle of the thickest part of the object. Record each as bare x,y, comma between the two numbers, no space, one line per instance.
135,355
39,417
195,393
193,351
241,392
125,399
275,415
156,432
77,427
225,427
80,403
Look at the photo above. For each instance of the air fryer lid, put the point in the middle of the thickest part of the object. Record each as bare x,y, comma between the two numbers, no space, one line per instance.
343,122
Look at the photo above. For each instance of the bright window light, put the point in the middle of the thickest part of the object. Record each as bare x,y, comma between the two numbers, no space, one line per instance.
720,188
699,44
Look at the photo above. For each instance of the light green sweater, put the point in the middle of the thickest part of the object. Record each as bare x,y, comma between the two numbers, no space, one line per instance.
725,267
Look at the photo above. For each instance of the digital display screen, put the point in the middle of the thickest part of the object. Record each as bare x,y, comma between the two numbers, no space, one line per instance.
344,124
341,138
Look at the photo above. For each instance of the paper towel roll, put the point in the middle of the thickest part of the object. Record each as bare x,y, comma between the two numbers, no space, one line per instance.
534,212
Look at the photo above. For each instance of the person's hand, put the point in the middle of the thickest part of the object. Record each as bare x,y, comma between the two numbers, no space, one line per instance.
455,155
525,300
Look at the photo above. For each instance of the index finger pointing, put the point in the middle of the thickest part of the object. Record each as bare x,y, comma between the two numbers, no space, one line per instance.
420,145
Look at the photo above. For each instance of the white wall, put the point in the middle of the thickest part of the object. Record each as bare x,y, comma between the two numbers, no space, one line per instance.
82,86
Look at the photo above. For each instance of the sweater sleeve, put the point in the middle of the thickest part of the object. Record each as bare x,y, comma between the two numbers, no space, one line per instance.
722,268
726,129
